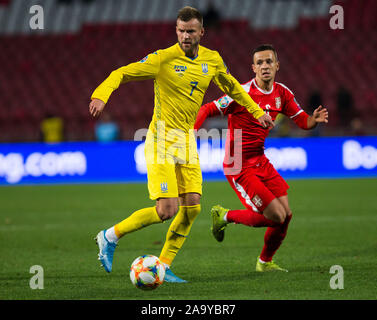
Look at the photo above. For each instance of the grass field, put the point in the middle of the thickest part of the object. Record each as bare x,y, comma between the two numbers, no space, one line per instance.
334,223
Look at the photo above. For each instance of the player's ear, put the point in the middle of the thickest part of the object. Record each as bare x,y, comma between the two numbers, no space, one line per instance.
277,66
253,67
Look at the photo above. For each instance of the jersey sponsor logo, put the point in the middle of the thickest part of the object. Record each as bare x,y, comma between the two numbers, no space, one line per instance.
164,187
224,102
278,102
205,68
180,70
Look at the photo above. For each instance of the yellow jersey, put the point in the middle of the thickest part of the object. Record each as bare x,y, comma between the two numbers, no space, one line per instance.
180,83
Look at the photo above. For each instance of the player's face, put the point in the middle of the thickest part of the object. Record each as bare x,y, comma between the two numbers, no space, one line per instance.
265,65
189,34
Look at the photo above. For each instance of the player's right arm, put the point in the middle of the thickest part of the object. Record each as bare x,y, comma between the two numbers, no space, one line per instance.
147,68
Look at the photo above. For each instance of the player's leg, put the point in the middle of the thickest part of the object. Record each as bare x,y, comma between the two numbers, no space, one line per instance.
167,207
254,196
162,187
189,180
264,208
107,239
285,203
274,236
180,226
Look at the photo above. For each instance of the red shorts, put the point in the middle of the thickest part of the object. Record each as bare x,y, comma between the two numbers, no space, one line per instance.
258,185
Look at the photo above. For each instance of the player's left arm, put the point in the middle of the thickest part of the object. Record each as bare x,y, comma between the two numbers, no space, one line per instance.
320,115
301,118
230,86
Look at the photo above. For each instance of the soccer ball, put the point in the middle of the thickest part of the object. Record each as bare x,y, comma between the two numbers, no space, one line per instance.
147,272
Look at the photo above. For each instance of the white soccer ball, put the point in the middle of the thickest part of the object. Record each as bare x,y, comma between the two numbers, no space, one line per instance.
147,272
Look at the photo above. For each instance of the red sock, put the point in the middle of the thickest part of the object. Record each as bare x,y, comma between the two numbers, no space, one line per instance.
249,218
273,238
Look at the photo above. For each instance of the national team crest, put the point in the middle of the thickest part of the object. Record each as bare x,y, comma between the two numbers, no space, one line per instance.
278,102
205,68
164,187
257,201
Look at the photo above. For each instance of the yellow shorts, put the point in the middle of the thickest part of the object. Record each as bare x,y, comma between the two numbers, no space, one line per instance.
169,180
172,176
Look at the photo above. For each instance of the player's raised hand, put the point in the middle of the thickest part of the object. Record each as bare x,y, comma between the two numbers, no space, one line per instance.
266,121
96,107
321,115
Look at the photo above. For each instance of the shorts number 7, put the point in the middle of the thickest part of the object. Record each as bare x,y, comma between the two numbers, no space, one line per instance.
194,85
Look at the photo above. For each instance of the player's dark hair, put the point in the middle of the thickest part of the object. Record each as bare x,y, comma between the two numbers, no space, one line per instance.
264,47
187,13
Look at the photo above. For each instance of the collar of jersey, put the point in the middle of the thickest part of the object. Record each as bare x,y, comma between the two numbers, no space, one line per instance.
261,90
183,53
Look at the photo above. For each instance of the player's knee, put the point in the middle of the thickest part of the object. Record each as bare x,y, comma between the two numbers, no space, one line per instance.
276,216
275,212
280,216
167,211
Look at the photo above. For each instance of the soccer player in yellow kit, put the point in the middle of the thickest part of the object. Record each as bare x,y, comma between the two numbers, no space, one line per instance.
182,74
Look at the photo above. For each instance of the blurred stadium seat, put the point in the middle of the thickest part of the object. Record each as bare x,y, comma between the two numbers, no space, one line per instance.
55,70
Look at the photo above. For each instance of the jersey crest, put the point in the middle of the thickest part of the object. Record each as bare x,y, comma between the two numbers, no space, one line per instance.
278,102
164,187
205,68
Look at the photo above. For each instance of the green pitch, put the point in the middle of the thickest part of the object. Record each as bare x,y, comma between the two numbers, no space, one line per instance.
334,223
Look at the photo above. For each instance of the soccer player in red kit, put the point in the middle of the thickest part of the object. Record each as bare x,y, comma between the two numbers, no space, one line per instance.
258,185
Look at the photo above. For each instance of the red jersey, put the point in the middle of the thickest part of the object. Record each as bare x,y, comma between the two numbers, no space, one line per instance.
278,100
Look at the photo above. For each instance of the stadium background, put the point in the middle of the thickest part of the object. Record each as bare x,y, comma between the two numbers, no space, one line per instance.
48,76
51,73
54,71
